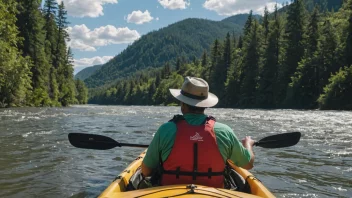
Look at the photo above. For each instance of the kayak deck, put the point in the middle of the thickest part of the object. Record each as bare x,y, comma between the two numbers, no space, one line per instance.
181,191
118,187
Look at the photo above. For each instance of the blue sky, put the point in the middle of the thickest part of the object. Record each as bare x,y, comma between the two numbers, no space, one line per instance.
101,29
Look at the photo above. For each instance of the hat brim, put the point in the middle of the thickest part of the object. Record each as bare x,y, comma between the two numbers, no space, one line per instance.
211,101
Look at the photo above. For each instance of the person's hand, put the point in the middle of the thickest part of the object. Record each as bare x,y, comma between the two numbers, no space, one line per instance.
248,142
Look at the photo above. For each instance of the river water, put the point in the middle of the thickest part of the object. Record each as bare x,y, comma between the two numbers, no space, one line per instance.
36,159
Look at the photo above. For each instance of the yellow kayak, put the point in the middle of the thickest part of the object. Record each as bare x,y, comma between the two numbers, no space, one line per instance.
118,188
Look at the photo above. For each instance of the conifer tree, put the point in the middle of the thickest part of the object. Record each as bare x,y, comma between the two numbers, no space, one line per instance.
166,70
240,43
233,81
82,92
50,9
151,91
205,60
267,89
327,57
348,48
227,54
15,82
205,66
157,79
303,92
215,59
178,64
295,29
250,67
248,25
234,41
30,23
64,61
266,25
219,73
313,33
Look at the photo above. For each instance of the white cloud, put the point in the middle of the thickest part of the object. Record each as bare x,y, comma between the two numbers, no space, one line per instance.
233,7
139,17
84,39
82,63
174,4
86,8
97,60
157,18
80,45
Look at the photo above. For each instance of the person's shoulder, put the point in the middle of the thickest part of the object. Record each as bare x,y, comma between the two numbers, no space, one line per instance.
222,127
167,126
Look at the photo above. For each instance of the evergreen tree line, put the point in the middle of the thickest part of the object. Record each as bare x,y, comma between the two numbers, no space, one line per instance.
292,59
36,68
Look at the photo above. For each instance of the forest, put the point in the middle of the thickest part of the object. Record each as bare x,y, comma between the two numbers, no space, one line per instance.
36,65
297,57
189,38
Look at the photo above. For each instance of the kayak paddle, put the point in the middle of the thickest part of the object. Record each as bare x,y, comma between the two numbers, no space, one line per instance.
99,142
279,140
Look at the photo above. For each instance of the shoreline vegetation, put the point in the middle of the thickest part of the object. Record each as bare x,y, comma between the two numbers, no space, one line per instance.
36,67
298,57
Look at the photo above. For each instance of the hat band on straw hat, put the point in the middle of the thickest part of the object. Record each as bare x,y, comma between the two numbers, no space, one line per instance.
193,96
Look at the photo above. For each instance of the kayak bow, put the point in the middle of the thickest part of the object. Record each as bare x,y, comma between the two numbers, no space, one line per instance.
118,187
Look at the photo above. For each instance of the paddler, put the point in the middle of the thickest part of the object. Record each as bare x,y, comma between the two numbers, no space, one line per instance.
193,148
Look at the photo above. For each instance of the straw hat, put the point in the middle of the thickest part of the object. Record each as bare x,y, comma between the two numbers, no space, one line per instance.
195,92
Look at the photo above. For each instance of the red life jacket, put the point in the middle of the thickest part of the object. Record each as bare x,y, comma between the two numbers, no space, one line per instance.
195,157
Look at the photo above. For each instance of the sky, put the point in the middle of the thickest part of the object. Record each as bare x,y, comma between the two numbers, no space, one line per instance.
101,29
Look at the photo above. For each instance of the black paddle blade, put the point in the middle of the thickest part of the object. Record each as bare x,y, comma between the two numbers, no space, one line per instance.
279,140
92,141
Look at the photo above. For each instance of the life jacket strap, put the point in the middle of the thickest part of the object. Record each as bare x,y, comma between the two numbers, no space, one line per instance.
195,160
209,173
177,118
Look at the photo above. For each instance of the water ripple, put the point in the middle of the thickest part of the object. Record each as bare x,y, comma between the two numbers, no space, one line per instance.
38,161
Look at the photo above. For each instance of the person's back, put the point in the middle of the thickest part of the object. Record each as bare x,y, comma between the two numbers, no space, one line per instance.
193,148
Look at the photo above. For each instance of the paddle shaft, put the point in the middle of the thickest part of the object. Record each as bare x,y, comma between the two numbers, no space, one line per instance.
134,145
99,142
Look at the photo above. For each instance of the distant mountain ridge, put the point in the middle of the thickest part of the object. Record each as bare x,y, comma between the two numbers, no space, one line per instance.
188,38
239,19
87,72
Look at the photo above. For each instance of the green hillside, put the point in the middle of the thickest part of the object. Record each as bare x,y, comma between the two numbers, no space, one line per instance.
87,72
187,38
239,19
298,59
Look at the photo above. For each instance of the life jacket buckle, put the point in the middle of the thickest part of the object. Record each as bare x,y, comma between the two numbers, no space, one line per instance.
192,187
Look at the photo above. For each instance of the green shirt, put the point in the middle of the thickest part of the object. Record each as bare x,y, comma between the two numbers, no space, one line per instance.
163,141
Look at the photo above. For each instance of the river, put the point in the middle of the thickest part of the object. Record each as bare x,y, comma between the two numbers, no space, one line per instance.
37,160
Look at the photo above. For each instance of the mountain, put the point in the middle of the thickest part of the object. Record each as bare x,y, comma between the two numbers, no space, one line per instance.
268,69
187,38
239,19
87,72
